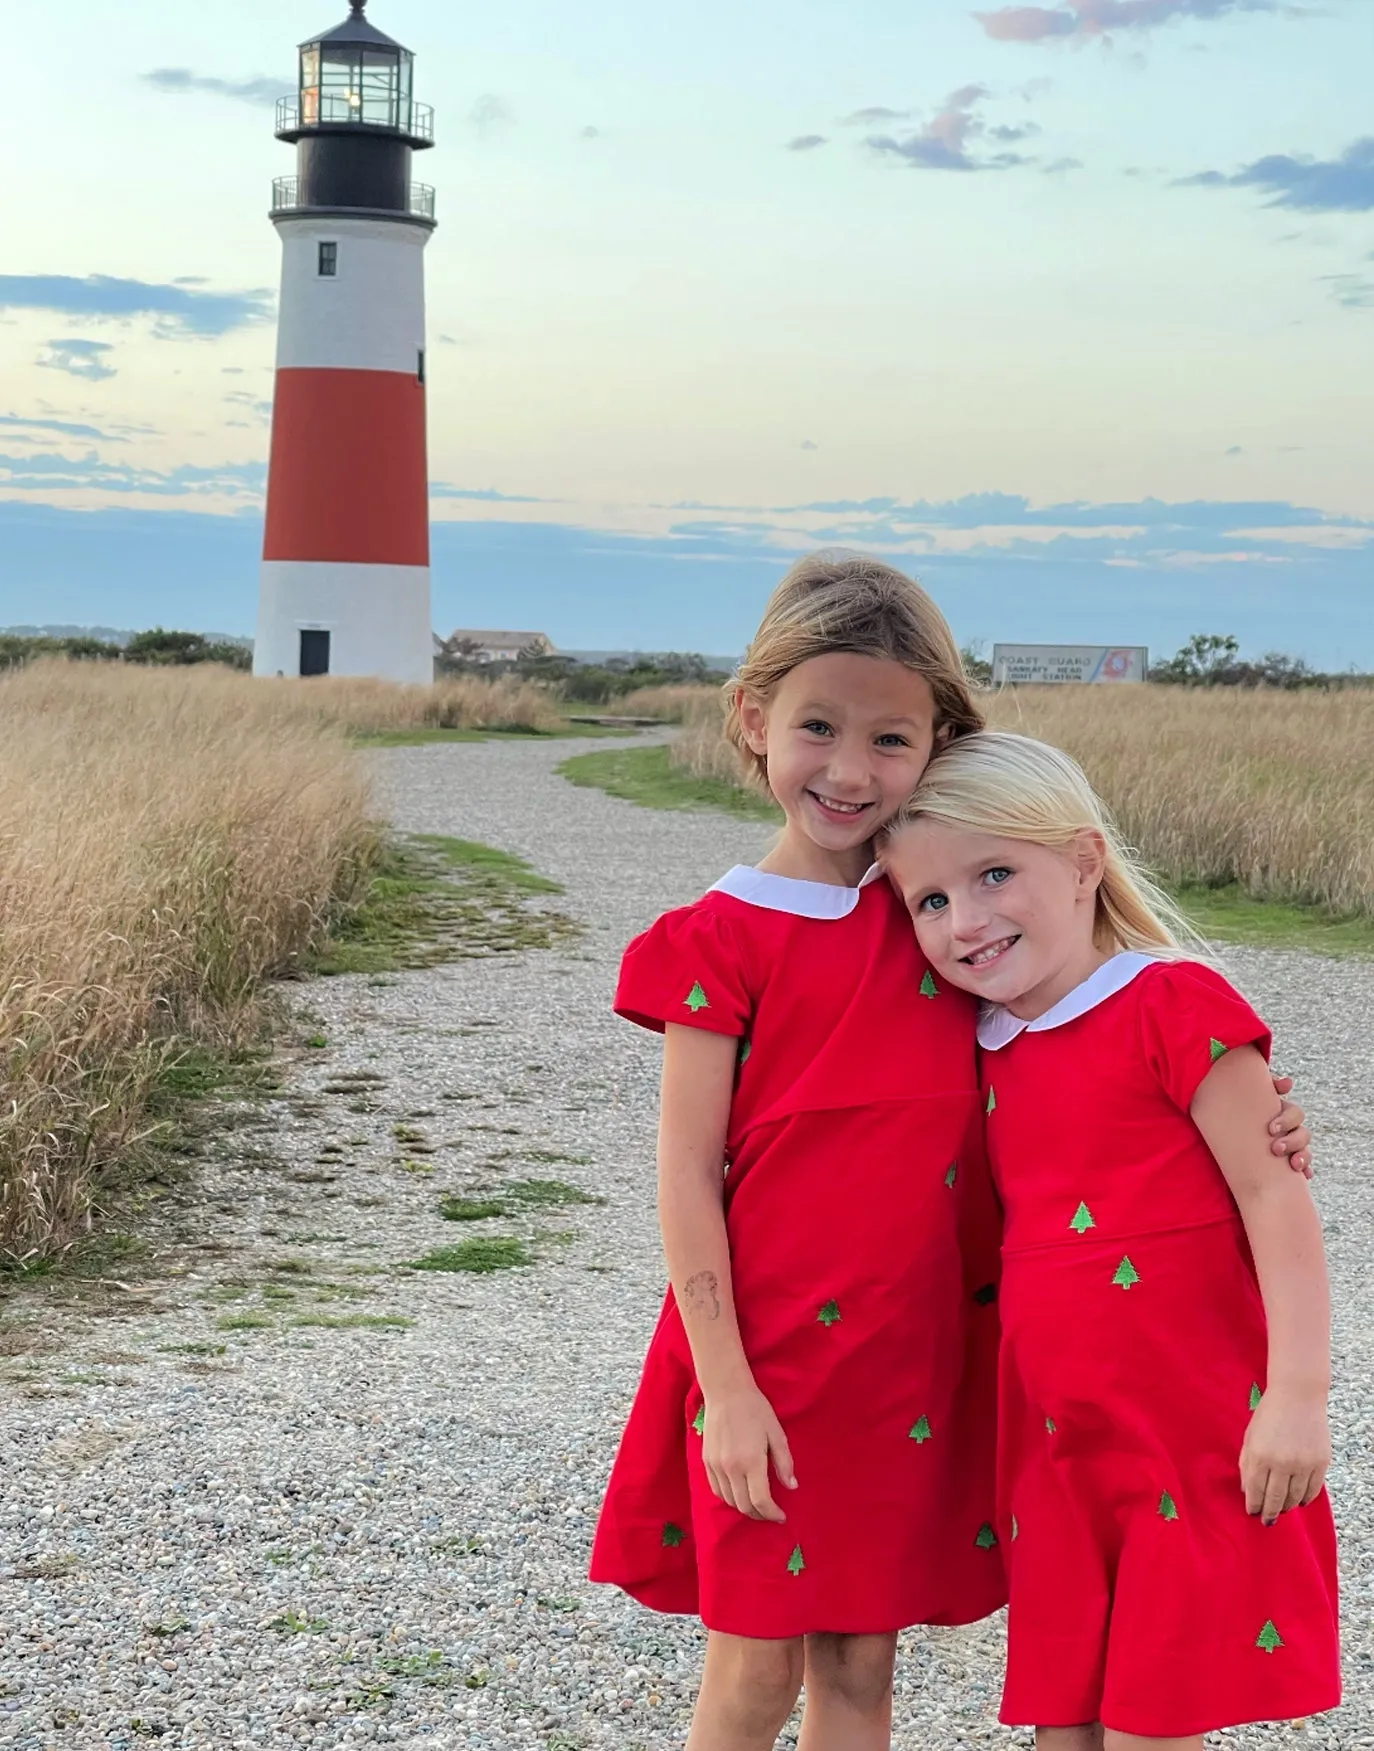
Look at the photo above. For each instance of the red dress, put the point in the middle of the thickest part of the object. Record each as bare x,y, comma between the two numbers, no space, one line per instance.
854,1165
1134,1353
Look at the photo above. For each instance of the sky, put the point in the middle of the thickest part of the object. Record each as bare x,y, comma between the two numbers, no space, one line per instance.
1066,307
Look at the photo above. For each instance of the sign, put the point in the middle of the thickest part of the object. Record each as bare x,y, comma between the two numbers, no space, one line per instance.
1026,664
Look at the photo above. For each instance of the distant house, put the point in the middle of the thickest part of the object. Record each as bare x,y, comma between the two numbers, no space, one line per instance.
486,646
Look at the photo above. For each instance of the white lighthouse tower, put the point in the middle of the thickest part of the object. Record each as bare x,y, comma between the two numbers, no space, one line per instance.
345,573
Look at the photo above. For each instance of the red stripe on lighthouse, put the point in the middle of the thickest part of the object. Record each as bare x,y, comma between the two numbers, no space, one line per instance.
349,477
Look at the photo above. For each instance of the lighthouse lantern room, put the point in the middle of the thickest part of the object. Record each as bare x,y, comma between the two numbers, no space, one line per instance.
345,573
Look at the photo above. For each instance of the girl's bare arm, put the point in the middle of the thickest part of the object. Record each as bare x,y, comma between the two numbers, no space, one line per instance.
1287,1449
741,1430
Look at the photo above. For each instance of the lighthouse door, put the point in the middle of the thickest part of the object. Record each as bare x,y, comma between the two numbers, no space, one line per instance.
314,653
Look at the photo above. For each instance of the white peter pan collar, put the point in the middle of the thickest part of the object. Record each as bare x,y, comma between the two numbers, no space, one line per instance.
775,893
998,1027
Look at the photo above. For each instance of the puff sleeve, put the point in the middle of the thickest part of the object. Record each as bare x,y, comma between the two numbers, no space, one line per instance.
687,969
1190,1017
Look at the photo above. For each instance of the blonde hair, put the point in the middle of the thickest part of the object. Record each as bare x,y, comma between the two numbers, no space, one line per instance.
832,602
1015,788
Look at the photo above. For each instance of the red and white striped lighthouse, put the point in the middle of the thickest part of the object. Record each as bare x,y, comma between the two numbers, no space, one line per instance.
345,572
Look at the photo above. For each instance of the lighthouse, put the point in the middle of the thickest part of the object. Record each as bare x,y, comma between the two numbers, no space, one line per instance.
345,569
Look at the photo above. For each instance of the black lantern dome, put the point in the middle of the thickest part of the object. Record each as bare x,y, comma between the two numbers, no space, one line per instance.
354,123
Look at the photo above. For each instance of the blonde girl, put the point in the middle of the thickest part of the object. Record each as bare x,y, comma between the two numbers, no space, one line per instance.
1165,1365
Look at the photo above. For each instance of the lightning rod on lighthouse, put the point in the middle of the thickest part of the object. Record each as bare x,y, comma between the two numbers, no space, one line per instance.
345,572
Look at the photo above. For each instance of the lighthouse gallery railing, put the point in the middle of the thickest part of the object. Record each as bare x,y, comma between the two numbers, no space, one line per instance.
286,191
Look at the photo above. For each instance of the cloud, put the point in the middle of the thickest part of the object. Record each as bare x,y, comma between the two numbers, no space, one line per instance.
1058,166
868,118
261,410
59,474
68,428
1312,185
489,111
1354,291
1080,19
79,358
178,309
944,142
262,90
807,444
807,142
590,133
441,489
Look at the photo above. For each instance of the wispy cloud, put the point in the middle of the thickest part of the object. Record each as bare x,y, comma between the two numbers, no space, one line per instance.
1354,291
79,358
806,142
262,90
67,428
59,474
1080,19
178,309
1312,185
945,141
870,118
490,111
442,489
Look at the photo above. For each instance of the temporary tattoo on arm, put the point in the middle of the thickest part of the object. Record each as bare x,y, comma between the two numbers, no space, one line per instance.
701,1294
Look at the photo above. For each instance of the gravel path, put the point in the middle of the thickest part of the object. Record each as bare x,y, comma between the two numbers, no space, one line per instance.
334,1534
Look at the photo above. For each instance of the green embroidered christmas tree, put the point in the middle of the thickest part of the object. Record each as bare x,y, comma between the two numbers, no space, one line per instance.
1269,1638
1168,1508
673,1536
920,1430
699,1421
987,1538
746,1047
1126,1275
928,986
796,1562
1051,1427
992,1100
1256,1396
951,1173
1082,1220
830,1314
1217,1050
696,999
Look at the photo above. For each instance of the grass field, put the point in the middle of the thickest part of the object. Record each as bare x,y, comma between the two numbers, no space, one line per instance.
1257,808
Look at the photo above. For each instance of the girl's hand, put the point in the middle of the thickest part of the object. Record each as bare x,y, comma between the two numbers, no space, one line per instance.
1290,1133
740,1437
1287,1451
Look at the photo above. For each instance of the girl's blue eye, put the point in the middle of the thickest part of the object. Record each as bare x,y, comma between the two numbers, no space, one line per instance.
995,877
817,727
893,740
933,903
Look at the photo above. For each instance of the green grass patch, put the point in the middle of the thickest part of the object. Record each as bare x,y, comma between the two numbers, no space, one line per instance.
431,899
550,1194
647,776
457,1209
355,1321
479,1256
245,1322
1232,915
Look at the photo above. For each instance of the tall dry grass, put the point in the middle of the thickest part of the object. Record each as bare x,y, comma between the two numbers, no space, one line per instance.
169,839
458,702
1273,791
685,703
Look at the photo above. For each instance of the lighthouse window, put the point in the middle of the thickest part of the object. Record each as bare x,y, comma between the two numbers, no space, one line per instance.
420,364
329,260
